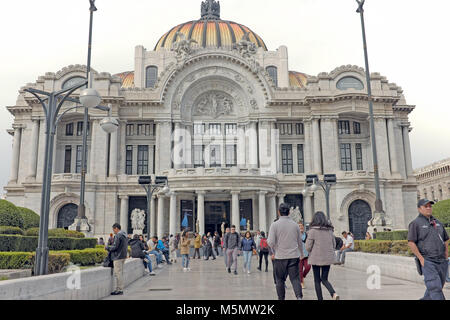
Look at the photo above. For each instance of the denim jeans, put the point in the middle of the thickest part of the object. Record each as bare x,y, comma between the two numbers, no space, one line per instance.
185,260
149,263
341,254
434,275
448,271
232,255
248,259
158,256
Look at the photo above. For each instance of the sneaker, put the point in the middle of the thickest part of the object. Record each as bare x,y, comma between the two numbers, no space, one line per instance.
160,266
248,272
229,270
188,269
267,270
119,293
335,296
152,273
116,293
259,268
235,272
184,269
299,298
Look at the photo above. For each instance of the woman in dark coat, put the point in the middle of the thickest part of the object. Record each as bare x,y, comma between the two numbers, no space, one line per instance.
138,251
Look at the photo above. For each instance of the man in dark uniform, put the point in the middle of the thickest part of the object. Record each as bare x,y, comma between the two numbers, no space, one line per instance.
428,241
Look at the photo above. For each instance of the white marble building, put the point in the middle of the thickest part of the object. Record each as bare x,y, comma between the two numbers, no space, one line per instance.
434,181
244,128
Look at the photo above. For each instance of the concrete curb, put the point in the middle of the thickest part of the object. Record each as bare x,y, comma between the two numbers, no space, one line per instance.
95,283
398,267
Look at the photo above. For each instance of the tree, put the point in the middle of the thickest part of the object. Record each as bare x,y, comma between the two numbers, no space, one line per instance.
441,211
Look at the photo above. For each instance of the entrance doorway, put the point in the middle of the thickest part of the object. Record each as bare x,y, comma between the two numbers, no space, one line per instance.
67,215
359,214
137,203
215,213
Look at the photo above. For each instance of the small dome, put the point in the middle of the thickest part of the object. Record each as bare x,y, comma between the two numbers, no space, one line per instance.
127,79
210,31
297,79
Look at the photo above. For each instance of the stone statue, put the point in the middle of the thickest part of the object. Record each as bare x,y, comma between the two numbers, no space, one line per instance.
245,47
295,214
214,105
222,228
197,226
183,47
248,225
138,220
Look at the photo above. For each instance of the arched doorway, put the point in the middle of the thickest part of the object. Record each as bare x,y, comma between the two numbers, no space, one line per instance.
67,215
359,213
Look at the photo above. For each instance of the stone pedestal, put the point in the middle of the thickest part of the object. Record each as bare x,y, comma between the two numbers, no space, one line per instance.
379,223
83,226
138,232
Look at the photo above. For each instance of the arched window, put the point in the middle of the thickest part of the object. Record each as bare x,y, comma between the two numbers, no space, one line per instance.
151,76
349,83
72,82
273,73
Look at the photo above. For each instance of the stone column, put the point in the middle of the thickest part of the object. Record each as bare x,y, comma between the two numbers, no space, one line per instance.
123,146
16,153
187,137
157,147
235,219
392,147
173,213
241,149
93,152
308,208
382,146
164,152
316,147
308,148
160,231
408,161
34,149
253,145
201,211
329,145
255,207
262,212
272,210
177,146
153,216
113,154
124,213
280,199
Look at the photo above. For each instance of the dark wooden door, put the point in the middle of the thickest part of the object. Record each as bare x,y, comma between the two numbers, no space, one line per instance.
67,215
359,213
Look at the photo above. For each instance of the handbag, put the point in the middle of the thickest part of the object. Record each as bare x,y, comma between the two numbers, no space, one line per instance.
108,263
418,266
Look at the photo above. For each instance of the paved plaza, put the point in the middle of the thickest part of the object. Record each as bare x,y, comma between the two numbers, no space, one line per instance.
208,280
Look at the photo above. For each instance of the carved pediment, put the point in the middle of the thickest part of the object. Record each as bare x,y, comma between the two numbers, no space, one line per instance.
213,104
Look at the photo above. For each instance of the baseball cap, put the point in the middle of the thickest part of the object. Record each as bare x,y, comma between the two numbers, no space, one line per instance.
423,202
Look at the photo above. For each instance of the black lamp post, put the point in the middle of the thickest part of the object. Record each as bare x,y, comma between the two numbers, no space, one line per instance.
312,181
378,202
150,188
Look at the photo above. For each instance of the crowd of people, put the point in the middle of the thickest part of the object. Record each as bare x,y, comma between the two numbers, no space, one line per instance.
293,250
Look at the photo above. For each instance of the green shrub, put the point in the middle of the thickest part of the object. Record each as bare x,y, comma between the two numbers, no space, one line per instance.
441,211
30,218
29,244
373,246
398,247
87,257
384,235
99,246
448,231
400,235
25,260
61,233
9,215
16,260
10,230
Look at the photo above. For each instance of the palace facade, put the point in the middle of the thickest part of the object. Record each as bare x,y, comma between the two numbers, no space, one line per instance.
234,130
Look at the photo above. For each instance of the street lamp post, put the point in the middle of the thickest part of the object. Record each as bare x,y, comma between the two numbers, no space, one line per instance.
150,188
312,181
379,216
52,104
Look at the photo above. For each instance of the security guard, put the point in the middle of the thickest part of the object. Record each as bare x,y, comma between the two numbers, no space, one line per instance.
428,241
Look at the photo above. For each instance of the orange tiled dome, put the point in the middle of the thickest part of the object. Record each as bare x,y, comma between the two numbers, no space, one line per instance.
210,31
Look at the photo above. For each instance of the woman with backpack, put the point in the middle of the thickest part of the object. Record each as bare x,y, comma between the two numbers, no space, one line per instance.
320,244
248,245
263,251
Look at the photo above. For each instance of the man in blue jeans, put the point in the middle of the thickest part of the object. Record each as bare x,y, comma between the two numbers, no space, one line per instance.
153,250
162,248
428,241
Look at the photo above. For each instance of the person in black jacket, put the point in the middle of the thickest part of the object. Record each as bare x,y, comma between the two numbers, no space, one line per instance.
118,251
138,251
217,243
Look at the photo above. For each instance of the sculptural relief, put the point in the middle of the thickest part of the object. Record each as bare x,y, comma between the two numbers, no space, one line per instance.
214,105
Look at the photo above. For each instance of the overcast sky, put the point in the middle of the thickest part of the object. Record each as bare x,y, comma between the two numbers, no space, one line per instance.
407,42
